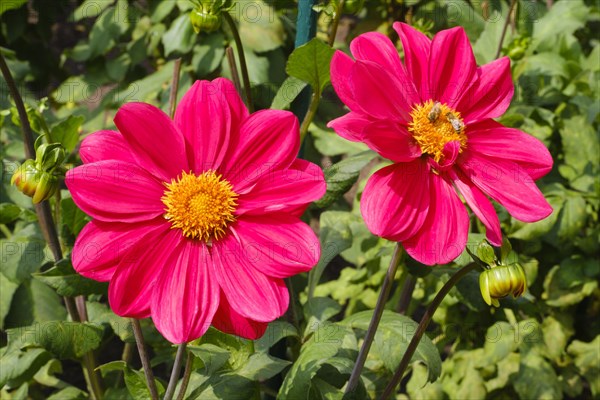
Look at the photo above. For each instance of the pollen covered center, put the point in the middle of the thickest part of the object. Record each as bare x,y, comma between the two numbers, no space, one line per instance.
202,206
433,125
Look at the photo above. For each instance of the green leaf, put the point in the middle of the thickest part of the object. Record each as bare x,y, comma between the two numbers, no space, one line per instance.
335,236
209,53
101,314
135,380
11,5
501,340
287,93
34,302
240,349
261,366
72,218
341,176
7,290
572,218
571,282
180,36
90,9
310,63
69,393
586,356
318,310
575,133
66,132
106,31
61,338
63,278
276,331
536,378
23,254
392,338
331,144
569,15
260,28
162,10
17,366
317,351
9,212
213,357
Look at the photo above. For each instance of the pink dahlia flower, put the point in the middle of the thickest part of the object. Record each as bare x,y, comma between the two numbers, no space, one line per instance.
196,220
432,116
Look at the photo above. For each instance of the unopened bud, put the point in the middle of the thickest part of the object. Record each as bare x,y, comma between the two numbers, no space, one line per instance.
500,281
205,21
34,182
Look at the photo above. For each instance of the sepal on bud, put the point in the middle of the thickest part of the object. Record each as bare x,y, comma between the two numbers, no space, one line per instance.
500,281
206,16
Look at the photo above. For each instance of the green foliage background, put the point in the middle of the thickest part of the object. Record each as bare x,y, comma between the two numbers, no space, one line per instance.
77,62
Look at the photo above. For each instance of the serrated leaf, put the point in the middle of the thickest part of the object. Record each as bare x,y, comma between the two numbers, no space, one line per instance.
61,338
101,314
69,393
318,310
536,378
586,360
392,338
569,15
287,93
261,366
208,54
240,349
571,282
33,302
7,290
341,176
335,236
310,63
63,278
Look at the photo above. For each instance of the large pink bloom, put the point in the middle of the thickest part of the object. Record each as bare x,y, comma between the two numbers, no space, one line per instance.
432,116
197,219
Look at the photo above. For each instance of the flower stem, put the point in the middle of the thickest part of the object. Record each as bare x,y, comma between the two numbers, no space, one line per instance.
370,335
242,57
139,340
48,227
187,373
513,4
316,95
406,294
175,372
414,342
235,76
174,87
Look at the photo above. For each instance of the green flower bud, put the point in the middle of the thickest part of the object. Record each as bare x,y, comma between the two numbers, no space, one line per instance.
35,182
205,21
500,281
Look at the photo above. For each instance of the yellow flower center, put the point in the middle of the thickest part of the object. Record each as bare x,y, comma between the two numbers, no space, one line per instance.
201,206
433,125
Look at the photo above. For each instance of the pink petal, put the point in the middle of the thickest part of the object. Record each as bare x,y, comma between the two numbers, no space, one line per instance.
186,295
416,56
490,96
395,200
237,108
380,94
229,321
376,47
391,140
154,141
452,66
341,67
116,191
507,183
277,245
132,285
481,206
251,294
270,140
492,139
350,126
100,246
105,145
284,189
204,117
443,235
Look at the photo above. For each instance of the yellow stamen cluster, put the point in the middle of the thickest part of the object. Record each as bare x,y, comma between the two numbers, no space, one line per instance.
202,206
435,124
